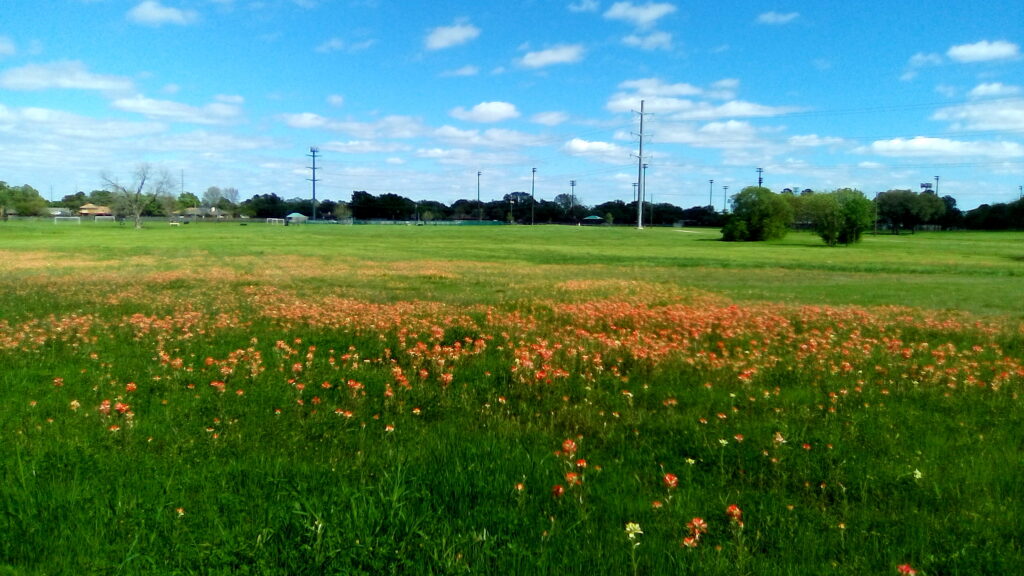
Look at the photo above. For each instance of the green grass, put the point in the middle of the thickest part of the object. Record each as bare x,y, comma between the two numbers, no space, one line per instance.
367,400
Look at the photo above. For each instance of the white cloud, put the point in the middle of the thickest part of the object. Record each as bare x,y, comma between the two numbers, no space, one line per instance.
584,6
153,13
641,16
994,89
602,151
464,157
305,120
813,140
549,118
492,138
487,112
562,54
364,147
467,70
656,87
7,47
998,115
230,99
394,126
922,59
448,36
47,124
212,113
340,45
652,41
984,51
777,18
66,74
664,99
921,146
336,100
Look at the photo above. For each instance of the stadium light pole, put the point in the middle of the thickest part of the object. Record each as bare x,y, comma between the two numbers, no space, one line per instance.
533,199
711,192
572,198
725,196
479,207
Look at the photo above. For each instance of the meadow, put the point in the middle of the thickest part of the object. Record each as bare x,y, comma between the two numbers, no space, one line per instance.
225,399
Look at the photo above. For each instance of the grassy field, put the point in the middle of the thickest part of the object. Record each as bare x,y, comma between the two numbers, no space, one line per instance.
225,399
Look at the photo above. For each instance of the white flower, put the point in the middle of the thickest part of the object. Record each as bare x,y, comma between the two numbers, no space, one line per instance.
633,530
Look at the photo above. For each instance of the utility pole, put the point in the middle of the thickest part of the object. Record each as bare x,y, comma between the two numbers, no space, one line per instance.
635,184
313,152
650,219
533,199
479,207
640,174
760,180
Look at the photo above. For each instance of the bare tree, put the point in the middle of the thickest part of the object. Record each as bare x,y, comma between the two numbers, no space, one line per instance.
146,187
212,197
231,195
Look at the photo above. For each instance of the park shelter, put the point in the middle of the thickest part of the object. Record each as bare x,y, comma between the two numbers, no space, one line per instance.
296,218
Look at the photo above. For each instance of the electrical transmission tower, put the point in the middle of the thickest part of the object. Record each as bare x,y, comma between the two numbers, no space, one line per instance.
640,173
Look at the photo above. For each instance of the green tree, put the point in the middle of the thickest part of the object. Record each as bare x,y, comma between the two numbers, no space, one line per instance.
758,214
21,200
839,217
903,209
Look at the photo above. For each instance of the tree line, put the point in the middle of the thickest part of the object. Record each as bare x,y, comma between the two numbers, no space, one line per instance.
756,213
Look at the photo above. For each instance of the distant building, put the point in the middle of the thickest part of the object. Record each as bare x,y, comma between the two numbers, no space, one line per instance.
94,210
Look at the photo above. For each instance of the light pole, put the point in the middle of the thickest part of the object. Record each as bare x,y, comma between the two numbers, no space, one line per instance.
479,207
936,185
533,199
711,191
725,196
572,198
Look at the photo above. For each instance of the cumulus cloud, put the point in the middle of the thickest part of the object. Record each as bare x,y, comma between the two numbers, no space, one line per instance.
492,138
562,54
999,115
448,36
584,6
340,45
467,70
922,59
652,41
153,13
68,75
602,151
336,100
777,18
921,146
213,113
486,112
641,16
984,51
549,118
994,90
813,140
58,123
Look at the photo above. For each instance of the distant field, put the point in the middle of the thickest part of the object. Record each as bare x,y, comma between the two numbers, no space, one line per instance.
320,399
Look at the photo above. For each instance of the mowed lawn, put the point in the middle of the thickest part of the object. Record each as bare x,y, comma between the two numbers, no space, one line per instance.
321,399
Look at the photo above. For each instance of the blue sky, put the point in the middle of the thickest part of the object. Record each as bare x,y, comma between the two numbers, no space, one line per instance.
415,98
